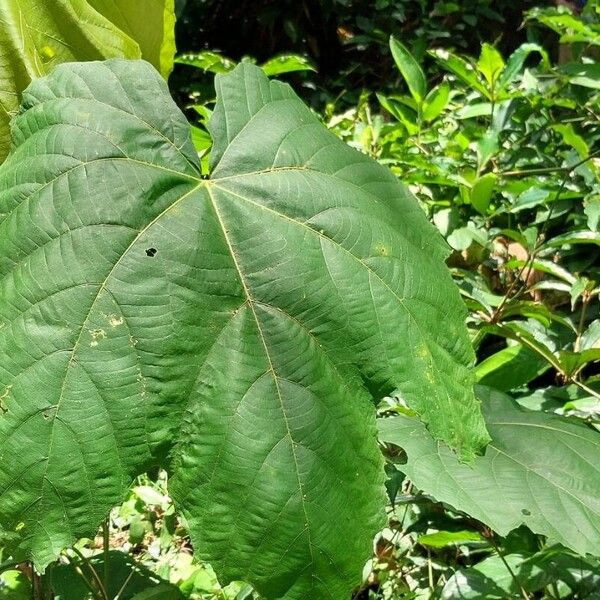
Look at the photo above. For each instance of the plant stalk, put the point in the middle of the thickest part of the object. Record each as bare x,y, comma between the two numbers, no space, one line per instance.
524,594
106,550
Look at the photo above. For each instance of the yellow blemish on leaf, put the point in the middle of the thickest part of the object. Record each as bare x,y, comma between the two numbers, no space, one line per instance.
3,407
47,54
115,321
97,335
382,249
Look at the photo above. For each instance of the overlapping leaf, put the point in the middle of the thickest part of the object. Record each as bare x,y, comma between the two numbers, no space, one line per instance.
36,35
239,322
539,470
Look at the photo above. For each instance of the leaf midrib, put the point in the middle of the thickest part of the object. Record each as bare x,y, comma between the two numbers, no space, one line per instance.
251,301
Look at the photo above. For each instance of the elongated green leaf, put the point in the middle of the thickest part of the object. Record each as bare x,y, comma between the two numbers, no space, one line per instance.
582,74
436,101
490,64
461,68
543,468
572,138
242,323
491,578
139,582
36,35
410,69
286,63
517,59
441,539
213,62
481,192
510,367
405,115
574,237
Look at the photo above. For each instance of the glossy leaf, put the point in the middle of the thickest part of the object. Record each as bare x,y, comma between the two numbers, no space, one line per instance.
510,367
516,60
436,101
442,539
574,237
410,69
490,64
461,68
213,62
543,468
286,63
242,323
481,192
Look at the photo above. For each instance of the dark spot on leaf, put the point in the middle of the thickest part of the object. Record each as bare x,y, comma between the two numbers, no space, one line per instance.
525,512
151,252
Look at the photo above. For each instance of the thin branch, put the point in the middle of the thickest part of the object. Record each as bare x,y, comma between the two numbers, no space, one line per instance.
548,170
524,594
95,575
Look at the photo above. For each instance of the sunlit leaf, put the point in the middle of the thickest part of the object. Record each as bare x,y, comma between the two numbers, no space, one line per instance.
241,326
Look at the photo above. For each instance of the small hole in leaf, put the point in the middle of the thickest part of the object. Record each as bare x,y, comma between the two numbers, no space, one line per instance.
525,512
151,252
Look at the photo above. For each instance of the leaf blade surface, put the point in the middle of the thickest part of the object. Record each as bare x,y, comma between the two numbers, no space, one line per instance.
238,323
541,466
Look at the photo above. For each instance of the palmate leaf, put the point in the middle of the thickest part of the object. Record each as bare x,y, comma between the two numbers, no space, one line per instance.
540,470
36,35
240,323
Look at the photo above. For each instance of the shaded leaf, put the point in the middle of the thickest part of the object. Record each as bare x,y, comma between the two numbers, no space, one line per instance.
543,467
132,578
491,578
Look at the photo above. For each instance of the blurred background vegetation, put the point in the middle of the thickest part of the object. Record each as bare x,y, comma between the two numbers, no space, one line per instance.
347,40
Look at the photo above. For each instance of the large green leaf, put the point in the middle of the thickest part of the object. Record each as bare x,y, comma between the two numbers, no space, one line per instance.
539,470
151,23
242,323
36,35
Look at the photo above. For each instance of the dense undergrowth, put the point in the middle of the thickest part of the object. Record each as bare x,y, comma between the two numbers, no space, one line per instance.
503,154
